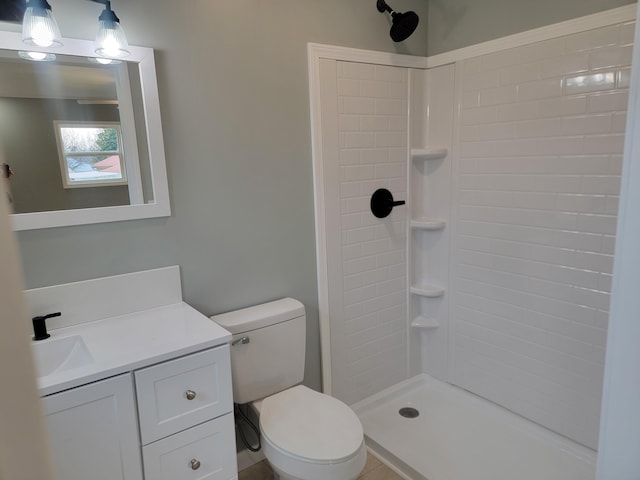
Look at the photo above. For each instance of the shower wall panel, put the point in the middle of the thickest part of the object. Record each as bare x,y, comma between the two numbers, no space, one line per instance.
364,123
540,134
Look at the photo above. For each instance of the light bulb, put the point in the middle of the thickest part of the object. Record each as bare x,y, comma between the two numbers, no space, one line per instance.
41,34
104,61
37,56
110,46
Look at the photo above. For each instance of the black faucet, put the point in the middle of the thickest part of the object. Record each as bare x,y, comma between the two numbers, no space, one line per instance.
40,327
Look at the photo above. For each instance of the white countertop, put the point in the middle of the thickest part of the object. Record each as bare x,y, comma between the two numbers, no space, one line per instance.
127,342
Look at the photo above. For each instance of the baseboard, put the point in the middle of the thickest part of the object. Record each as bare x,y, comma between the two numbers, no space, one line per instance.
247,458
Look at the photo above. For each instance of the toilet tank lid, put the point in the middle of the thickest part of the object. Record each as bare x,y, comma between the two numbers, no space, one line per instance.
251,318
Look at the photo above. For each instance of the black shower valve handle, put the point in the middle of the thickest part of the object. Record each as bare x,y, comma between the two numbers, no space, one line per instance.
382,203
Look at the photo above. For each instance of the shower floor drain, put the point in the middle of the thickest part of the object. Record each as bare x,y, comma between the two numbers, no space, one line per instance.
408,412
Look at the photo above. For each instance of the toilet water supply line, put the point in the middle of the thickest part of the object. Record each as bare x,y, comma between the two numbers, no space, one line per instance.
239,415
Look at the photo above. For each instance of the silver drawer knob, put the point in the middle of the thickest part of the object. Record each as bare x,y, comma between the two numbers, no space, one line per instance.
190,394
194,464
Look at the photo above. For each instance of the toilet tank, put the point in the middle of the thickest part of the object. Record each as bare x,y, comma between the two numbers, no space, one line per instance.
268,348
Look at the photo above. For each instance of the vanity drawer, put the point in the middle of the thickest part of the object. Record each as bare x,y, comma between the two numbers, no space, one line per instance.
178,394
205,452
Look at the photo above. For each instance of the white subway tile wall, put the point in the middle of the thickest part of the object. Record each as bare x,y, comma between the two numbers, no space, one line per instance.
541,134
372,122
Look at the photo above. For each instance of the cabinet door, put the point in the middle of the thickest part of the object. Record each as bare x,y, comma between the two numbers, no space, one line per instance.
204,452
93,431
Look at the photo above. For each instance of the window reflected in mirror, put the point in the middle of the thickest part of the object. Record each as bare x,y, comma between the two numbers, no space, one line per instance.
90,154
73,132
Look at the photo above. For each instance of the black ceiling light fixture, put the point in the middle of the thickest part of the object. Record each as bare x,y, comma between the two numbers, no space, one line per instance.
404,24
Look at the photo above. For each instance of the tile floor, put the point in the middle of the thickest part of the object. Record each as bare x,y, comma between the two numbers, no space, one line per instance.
373,470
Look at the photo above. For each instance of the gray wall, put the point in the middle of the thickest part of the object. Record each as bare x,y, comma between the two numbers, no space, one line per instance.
459,23
235,113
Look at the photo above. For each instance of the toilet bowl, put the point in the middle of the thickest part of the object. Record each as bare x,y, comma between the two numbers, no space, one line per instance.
306,435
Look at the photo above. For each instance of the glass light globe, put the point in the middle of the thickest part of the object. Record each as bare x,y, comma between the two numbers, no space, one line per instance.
39,26
37,56
111,40
104,61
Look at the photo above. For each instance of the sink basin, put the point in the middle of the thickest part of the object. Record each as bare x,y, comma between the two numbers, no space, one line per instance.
57,355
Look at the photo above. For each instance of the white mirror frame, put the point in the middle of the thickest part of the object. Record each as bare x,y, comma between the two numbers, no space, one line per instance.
160,206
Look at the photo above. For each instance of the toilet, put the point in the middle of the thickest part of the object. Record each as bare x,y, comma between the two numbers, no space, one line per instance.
306,435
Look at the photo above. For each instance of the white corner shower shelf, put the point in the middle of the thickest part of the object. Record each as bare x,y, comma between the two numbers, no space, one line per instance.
432,153
430,291
424,323
428,224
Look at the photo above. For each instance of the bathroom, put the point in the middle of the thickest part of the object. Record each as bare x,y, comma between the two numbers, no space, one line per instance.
234,99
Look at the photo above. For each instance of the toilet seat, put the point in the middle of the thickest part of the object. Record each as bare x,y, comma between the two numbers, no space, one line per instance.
310,426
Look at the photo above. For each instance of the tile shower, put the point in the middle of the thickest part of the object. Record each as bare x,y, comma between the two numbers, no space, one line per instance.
496,275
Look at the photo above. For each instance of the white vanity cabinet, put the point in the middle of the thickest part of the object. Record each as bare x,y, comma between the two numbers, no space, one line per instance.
93,431
134,389
182,427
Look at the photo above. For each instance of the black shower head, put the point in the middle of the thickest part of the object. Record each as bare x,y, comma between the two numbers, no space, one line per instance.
403,24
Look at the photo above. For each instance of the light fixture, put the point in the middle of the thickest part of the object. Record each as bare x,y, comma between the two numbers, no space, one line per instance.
39,27
403,24
111,42
37,56
103,61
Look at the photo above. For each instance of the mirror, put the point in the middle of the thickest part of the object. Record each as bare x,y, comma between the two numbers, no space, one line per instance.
82,140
